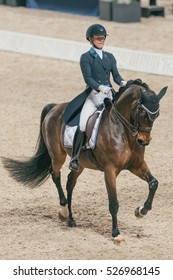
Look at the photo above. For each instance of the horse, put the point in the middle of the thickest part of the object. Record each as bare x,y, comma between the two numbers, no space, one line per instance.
124,132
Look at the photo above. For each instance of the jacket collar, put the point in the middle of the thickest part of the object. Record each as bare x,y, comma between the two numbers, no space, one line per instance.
94,53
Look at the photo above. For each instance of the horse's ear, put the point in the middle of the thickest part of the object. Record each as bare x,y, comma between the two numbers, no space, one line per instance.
162,93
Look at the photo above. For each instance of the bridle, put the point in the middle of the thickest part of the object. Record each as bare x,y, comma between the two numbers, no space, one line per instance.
135,128
150,115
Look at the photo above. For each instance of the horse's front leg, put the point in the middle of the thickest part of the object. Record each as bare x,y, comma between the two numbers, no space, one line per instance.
110,180
153,185
144,173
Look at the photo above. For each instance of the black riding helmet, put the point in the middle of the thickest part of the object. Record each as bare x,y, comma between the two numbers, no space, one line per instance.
95,29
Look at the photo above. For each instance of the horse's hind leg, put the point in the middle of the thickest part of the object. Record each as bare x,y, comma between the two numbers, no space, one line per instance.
71,182
63,214
51,130
58,159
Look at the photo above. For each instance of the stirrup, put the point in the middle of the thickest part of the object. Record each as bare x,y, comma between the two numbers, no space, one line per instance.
74,164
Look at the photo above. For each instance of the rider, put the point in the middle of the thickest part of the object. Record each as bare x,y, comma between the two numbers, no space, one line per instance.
96,66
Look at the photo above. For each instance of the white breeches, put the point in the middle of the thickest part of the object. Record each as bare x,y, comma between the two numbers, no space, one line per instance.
93,101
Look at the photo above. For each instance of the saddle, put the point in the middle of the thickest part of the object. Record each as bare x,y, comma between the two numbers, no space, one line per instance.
72,116
91,130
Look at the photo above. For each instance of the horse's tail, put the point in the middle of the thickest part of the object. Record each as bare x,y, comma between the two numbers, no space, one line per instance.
35,170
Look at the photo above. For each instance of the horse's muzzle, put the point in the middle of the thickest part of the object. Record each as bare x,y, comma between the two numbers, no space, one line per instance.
143,138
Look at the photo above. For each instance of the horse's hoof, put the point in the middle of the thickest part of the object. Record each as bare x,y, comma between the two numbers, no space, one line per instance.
119,239
71,223
138,213
62,218
64,213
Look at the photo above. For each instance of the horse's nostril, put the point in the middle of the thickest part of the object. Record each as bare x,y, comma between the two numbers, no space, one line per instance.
140,142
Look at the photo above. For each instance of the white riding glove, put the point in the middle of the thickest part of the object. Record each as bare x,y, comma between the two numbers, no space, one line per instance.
123,83
104,89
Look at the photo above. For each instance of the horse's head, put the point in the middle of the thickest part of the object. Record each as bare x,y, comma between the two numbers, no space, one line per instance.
144,112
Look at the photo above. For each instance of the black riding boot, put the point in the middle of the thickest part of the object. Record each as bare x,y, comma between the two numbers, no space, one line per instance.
77,145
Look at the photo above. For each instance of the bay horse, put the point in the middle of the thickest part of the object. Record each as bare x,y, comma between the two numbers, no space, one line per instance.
125,130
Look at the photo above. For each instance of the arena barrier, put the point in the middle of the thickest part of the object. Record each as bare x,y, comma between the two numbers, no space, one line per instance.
82,7
138,61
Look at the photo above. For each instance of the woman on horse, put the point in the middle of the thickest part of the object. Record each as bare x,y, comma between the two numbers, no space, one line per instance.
96,66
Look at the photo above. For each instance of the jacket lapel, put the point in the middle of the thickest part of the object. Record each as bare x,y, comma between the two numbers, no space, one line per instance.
96,56
104,60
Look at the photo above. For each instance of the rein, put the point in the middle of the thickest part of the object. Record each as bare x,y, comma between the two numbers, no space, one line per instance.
136,121
126,123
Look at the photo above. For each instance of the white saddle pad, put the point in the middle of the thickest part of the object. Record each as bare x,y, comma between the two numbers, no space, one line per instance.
70,131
